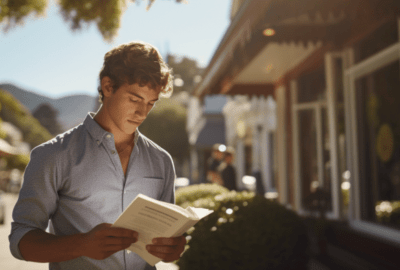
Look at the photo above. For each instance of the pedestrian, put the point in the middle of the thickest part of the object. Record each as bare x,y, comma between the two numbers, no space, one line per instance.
227,171
78,183
214,161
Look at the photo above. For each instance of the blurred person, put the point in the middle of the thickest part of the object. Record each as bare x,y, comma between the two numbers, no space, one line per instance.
80,182
217,156
227,171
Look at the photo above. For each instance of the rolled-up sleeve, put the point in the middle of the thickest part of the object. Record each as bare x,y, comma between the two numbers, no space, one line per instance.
38,198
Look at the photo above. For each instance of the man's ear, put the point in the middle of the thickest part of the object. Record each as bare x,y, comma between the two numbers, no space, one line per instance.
107,86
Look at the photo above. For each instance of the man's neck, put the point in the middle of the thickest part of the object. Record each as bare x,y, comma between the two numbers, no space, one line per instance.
120,138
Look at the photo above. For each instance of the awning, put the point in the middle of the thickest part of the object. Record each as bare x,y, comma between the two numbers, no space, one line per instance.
213,132
299,21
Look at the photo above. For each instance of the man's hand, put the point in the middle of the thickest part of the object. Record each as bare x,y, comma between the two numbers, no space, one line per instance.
103,241
167,249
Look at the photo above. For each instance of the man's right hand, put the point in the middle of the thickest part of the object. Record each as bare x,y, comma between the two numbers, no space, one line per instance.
103,241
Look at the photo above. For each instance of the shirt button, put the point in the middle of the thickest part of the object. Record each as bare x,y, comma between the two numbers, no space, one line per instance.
108,136
124,191
113,152
98,142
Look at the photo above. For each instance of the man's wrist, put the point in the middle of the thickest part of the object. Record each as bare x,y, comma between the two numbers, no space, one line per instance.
79,245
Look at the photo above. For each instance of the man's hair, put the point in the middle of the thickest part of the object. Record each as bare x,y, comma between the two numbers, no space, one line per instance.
136,62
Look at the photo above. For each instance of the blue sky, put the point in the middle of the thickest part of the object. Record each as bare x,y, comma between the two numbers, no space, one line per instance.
45,56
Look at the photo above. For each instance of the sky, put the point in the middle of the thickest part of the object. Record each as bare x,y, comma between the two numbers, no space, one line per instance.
46,57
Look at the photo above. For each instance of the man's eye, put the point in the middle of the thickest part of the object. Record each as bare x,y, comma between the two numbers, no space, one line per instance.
134,100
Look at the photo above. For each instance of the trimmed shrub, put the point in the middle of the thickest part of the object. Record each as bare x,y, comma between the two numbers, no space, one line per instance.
246,232
185,196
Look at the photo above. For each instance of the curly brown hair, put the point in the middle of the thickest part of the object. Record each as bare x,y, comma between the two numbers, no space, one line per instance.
136,62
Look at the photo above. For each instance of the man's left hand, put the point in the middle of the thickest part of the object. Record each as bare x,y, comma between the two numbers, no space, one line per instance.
167,249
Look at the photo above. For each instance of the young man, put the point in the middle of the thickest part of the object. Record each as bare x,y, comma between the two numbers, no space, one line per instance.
81,181
227,171
217,156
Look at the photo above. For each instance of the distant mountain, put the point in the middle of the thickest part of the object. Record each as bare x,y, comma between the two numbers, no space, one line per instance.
72,109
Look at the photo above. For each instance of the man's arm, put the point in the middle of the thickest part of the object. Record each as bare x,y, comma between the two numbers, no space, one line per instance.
99,243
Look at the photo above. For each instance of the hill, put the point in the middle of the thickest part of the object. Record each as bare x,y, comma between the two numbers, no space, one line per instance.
72,109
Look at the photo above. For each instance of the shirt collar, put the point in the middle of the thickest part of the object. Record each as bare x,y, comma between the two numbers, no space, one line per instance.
97,132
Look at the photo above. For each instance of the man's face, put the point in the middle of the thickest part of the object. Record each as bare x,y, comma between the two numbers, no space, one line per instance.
129,105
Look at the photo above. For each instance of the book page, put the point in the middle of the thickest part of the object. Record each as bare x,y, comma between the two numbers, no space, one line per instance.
151,218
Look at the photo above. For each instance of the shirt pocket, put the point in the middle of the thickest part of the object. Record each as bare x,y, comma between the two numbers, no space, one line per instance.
150,186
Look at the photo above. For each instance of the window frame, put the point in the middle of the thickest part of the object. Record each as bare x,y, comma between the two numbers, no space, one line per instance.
351,74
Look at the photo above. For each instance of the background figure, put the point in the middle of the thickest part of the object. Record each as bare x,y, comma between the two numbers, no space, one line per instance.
227,171
213,163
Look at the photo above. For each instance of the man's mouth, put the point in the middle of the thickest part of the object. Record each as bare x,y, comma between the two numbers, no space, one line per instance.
135,122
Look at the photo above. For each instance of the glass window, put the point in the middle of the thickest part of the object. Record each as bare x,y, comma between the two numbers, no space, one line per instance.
315,164
379,144
308,152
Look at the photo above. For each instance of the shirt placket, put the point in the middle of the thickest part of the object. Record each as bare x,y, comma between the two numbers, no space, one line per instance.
113,154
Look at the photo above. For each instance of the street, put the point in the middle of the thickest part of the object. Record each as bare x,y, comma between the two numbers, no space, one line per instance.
8,262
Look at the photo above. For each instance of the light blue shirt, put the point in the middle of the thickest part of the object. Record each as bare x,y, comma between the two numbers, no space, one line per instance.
76,181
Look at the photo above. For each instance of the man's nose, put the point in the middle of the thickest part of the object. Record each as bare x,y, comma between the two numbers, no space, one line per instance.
141,111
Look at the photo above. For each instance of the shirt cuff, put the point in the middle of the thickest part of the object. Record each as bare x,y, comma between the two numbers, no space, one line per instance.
14,238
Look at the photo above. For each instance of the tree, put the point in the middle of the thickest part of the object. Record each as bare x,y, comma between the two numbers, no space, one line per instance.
12,111
106,14
47,116
186,73
166,126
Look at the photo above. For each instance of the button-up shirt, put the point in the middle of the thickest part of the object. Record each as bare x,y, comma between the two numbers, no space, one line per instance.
76,181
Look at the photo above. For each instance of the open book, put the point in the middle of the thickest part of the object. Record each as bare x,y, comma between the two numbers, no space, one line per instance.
152,218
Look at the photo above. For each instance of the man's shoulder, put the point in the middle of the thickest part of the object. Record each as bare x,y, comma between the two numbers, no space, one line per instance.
62,141
152,147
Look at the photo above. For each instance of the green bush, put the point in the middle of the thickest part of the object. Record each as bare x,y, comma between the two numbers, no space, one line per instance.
14,112
185,196
246,232
19,161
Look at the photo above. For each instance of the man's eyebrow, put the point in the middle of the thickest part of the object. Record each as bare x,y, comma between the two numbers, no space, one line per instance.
138,96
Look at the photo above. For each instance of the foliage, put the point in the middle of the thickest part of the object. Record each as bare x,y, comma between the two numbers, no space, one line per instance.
185,69
106,14
186,196
166,126
14,12
246,232
3,134
12,111
17,161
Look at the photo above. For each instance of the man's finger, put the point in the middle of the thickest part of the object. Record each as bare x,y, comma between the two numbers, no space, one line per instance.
121,232
170,241
155,249
120,241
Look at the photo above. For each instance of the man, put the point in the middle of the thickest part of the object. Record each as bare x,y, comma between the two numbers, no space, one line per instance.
81,181
213,162
227,171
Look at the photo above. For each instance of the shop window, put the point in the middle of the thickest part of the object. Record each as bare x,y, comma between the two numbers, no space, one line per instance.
314,155
344,173
312,86
378,95
314,147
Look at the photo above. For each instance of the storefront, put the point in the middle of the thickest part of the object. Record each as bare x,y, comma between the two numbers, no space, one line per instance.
333,70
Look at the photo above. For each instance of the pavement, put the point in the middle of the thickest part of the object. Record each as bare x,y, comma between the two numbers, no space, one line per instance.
8,262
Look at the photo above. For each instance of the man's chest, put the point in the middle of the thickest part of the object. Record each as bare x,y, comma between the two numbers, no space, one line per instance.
98,176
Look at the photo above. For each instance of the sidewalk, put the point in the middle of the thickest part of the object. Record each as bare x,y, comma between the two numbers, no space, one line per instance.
8,262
